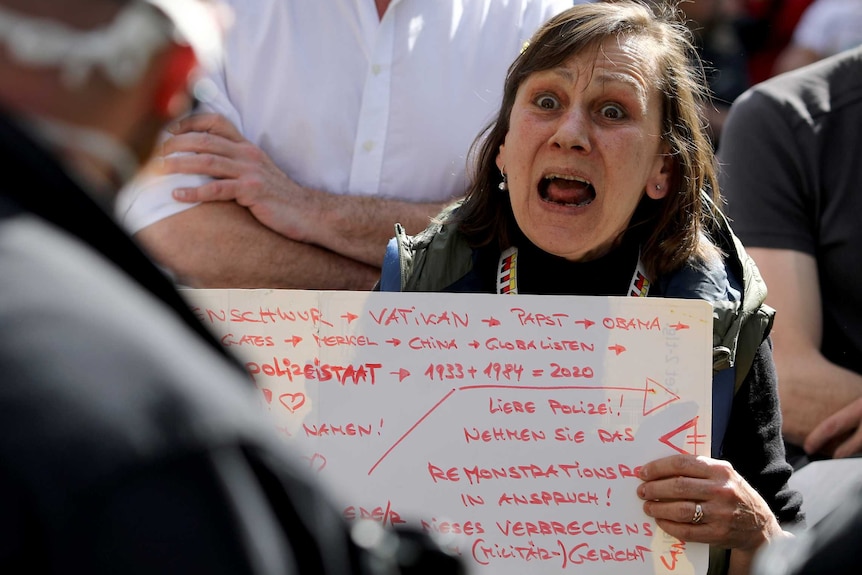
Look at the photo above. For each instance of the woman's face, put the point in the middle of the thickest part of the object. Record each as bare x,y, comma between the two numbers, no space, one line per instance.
583,146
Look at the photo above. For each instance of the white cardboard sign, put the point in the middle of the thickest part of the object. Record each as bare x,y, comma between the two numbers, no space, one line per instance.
511,426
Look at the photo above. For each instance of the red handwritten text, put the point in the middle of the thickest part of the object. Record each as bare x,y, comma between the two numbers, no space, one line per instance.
262,315
508,407
347,430
385,515
343,340
530,528
630,324
343,374
476,475
579,408
549,498
249,340
499,434
469,528
407,316
540,319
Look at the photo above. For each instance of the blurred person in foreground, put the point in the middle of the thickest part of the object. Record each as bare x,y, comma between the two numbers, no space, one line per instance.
130,442
597,178
829,547
790,171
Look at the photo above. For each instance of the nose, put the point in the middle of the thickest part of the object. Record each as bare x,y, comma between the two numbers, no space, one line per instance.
572,131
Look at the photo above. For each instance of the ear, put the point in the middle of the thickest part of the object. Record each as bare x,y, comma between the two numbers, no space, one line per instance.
501,164
171,97
659,184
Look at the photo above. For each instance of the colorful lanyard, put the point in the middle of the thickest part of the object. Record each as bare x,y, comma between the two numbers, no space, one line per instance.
507,275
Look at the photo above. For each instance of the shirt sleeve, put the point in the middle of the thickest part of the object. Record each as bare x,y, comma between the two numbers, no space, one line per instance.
765,174
147,199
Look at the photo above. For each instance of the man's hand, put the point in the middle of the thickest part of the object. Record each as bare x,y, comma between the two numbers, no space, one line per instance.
843,429
241,172
355,227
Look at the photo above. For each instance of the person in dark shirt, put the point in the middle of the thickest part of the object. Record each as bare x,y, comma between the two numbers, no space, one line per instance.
790,172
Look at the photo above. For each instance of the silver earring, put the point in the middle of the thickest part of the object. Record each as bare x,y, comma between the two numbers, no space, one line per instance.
658,187
504,185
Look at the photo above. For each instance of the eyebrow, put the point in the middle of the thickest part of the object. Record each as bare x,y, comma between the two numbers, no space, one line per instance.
564,73
604,76
608,77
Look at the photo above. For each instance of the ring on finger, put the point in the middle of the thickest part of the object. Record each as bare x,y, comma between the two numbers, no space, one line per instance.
698,514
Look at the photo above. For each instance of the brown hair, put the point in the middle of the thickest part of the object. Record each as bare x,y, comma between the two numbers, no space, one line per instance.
677,226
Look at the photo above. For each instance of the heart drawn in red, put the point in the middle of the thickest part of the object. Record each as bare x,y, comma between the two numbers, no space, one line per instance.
292,401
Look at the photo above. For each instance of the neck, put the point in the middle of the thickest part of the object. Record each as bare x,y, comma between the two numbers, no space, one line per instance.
382,5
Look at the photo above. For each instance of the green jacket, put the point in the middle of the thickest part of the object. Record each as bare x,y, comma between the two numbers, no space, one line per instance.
438,257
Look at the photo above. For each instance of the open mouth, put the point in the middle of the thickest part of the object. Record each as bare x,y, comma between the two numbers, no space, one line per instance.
564,190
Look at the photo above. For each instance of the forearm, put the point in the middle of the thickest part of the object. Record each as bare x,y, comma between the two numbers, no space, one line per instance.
221,245
359,227
811,388
742,560
355,227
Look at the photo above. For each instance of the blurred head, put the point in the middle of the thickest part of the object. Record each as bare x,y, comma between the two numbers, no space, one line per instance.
98,79
599,132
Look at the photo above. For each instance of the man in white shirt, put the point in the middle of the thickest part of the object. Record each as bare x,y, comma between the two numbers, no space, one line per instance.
335,119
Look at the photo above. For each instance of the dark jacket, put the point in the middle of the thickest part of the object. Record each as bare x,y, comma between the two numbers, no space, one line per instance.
130,441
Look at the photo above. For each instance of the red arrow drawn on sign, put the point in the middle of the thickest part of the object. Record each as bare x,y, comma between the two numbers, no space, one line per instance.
401,373
394,341
294,340
693,439
679,326
653,392
492,322
350,317
657,396
474,344
587,323
617,348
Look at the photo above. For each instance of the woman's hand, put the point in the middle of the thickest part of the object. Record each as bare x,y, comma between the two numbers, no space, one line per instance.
705,500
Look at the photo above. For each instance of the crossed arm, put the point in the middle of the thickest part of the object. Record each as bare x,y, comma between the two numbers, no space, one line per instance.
258,228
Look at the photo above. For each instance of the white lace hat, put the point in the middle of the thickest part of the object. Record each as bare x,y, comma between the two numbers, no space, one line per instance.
120,49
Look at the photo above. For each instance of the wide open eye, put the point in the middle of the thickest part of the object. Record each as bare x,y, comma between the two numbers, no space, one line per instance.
612,112
547,102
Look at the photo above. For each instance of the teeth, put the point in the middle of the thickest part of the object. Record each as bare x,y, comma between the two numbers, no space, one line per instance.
566,177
